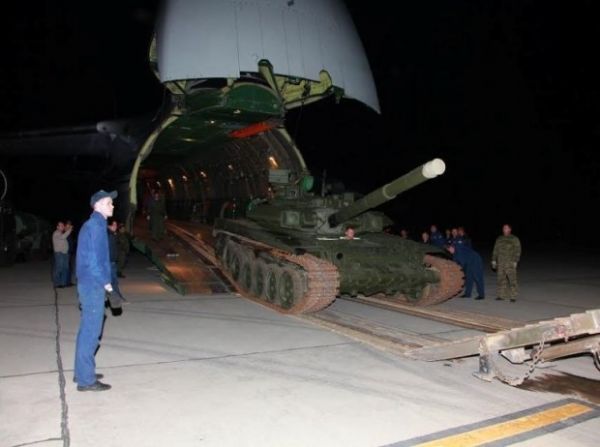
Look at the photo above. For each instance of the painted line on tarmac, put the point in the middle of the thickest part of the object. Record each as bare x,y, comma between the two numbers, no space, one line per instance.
64,420
511,428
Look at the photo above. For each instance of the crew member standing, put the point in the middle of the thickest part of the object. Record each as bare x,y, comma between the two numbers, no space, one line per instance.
463,238
123,245
113,255
436,237
158,214
505,258
93,282
61,255
472,265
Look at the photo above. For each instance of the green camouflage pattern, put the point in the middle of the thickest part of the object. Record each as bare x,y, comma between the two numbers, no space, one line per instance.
508,286
506,255
507,250
157,218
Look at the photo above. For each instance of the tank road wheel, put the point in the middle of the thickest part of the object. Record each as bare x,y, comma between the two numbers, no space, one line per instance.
223,257
248,259
272,283
290,288
260,278
451,281
235,265
233,259
247,272
226,258
220,245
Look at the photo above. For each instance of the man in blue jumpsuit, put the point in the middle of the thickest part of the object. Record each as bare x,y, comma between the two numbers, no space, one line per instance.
93,282
462,237
472,265
436,237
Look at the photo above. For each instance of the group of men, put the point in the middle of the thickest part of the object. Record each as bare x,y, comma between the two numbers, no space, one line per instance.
454,236
505,259
63,244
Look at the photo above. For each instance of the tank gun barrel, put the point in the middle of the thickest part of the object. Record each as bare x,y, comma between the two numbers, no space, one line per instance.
425,172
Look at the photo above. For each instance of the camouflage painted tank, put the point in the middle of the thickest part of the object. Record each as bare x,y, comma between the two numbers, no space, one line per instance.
295,253
34,236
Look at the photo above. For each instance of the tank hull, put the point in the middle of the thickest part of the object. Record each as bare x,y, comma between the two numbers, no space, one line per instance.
373,264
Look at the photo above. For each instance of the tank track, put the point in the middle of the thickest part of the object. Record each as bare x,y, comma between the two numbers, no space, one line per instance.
451,281
319,279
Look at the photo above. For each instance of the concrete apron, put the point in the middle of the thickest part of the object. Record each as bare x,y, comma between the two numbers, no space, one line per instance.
219,370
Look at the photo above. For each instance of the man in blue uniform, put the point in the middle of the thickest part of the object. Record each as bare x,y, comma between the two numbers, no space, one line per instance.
93,282
451,240
472,265
463,238
436,237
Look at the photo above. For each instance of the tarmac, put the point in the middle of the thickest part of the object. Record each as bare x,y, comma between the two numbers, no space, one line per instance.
219,370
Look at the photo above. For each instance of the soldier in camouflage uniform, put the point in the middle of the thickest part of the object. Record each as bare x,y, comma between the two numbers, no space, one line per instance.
506,255
158,215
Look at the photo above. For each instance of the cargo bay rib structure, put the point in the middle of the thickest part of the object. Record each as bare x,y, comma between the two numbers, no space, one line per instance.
232,71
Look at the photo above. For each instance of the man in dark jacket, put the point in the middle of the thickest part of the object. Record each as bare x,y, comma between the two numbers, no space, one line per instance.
123,246
463,238
472,265
436,237
157,216
113,254
93,282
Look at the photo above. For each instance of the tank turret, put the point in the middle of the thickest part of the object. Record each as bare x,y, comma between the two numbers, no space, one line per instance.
388,192
294,208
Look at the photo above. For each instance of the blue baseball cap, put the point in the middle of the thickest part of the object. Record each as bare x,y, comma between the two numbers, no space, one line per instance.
99,195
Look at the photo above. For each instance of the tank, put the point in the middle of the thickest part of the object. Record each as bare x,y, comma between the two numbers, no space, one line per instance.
22,235
295,251
33,236
8,238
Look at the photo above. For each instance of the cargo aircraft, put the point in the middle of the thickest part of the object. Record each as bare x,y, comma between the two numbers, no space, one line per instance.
231,71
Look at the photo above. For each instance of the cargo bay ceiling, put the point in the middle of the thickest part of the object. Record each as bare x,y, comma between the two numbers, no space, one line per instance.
232,69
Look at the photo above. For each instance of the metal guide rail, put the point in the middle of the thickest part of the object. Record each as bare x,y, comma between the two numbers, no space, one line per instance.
533,343
470,320
195,240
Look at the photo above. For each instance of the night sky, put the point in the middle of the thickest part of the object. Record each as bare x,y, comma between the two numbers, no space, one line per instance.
507,93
